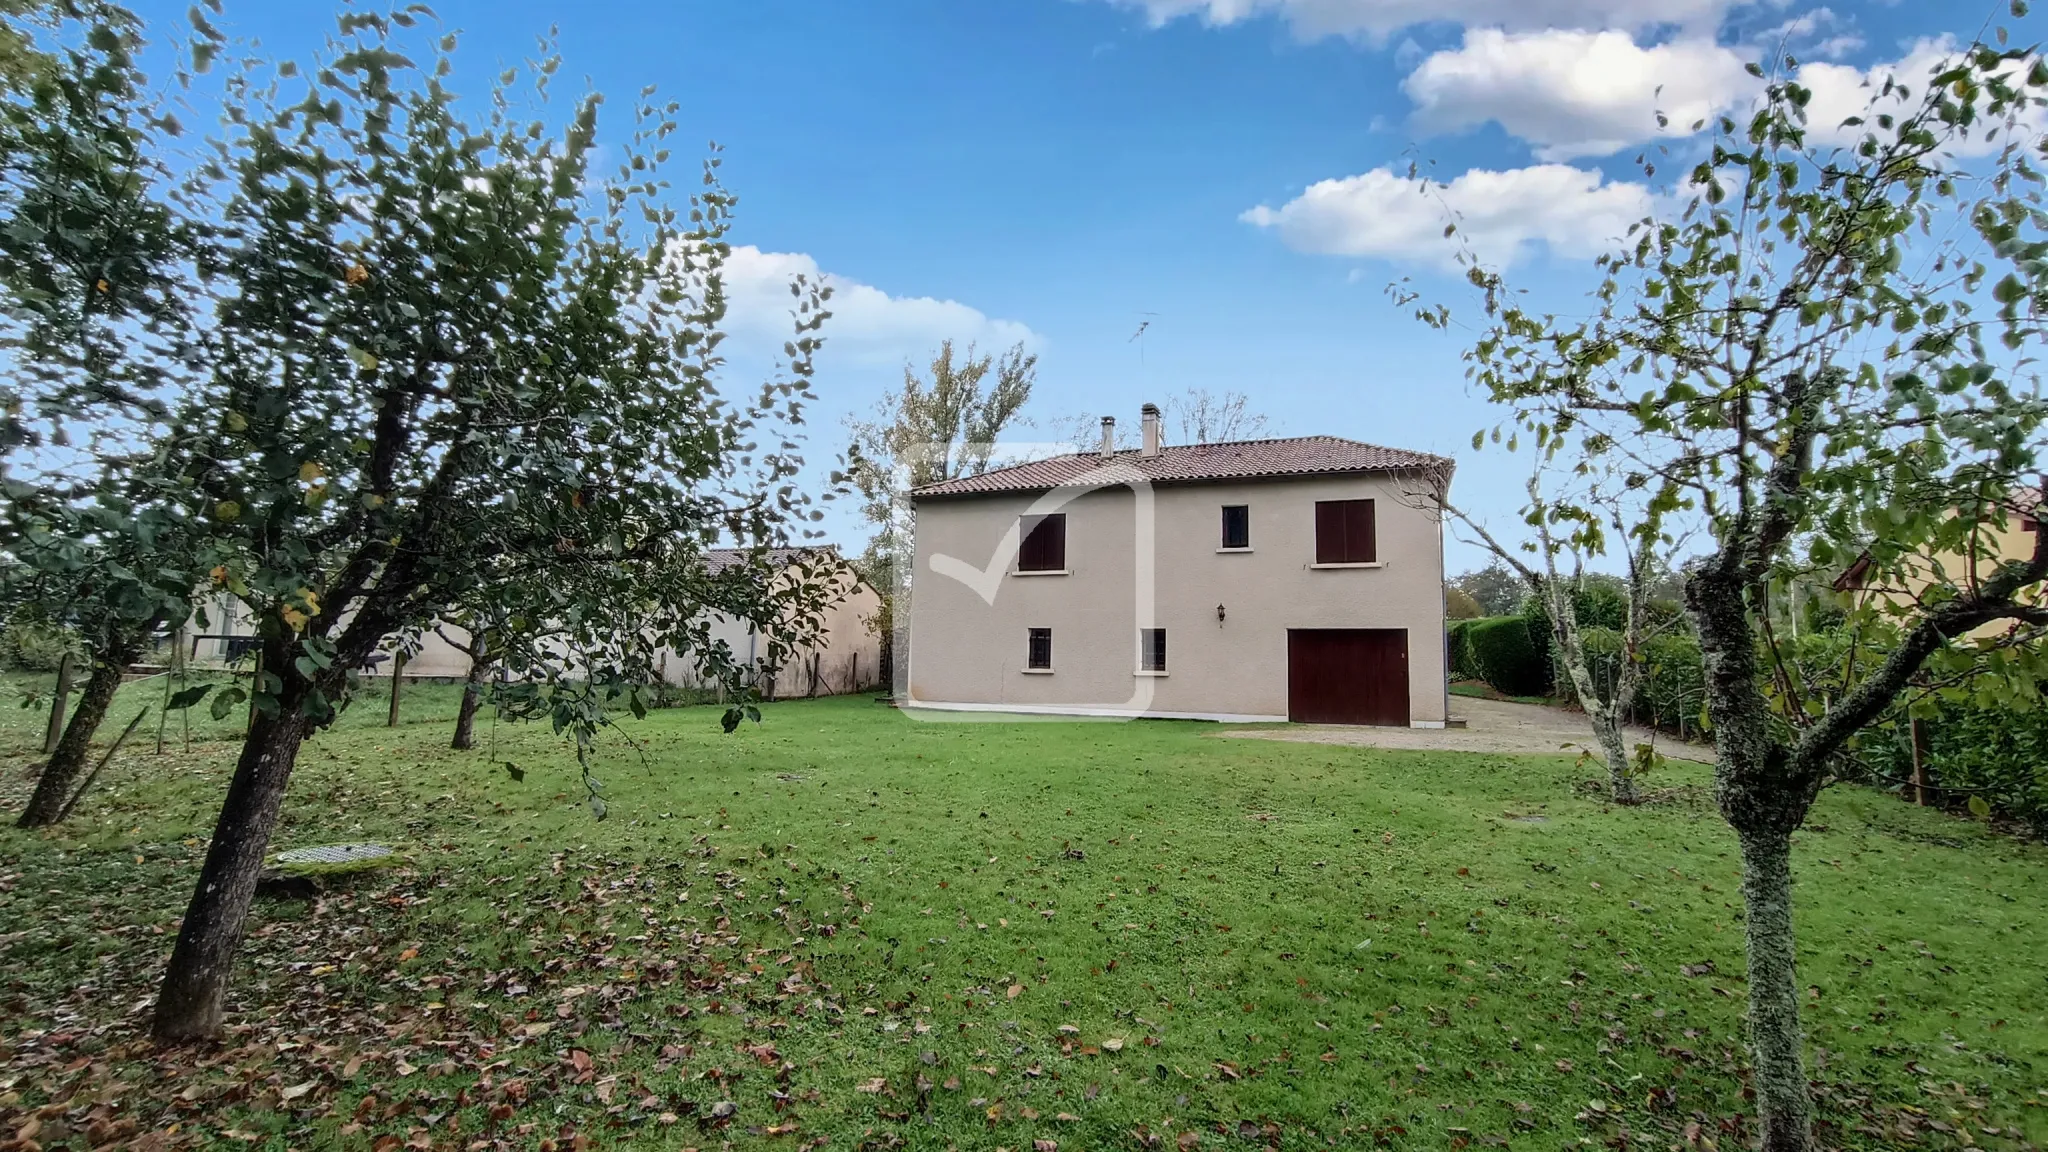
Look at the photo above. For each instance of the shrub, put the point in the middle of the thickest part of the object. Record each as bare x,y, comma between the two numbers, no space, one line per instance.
1459,605
33,646
1458,650
1670,690
1996,753
1673,687
1507,657
1603,662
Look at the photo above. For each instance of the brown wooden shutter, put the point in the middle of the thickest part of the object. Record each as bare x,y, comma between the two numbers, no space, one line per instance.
1044,548
1345,532
1361,536
1329,532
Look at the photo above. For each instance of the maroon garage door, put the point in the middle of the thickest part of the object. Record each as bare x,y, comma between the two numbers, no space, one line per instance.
1347,676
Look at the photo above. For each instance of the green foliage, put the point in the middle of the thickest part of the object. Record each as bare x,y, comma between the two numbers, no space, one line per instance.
1673,691
31,645
95,302
497,408
1458,649
1507,657
1498,588
1824,352
1996,754
1459,604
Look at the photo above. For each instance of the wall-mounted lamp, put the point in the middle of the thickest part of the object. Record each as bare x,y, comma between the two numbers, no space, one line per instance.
1219,614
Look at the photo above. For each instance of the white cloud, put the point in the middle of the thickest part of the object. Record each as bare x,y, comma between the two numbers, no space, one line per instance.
868,325
1500,215
1816,32
1842,91
1576,93
1375,19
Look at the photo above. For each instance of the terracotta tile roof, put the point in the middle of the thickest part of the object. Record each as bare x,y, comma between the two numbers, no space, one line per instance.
1190,463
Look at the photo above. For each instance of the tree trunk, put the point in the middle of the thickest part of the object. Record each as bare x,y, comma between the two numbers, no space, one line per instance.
189,1004
59,699
397,678
1603,718
1774,1032
1919,740
1621,781
472,695
68,761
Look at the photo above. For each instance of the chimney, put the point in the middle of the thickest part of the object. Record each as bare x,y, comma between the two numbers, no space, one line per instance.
1149,417
1109,437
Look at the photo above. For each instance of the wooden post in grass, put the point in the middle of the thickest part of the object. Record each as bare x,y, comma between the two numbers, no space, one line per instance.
397,672
1919,761
255,679
58,703
97,768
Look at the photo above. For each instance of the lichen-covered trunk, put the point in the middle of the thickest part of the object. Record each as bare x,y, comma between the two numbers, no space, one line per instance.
472,696
67,763
1764,797
1604,717
1775,1036
189,1004
1621,781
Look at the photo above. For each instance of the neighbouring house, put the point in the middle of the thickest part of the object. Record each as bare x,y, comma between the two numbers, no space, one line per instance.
1263,580
1994,546
846,659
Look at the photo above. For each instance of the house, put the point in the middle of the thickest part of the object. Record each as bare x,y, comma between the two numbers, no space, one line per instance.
1263,580
1992,546
846,659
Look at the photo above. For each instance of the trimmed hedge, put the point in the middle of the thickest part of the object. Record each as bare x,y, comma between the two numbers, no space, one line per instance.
1672,687
2000,754
1506,656
1458,650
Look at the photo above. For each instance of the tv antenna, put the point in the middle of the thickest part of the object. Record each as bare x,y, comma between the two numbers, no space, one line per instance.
1138,337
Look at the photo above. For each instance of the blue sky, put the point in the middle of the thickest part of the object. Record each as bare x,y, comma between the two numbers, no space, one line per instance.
1233,171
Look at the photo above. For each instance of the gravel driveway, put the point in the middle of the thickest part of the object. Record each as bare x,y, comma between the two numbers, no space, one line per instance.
1491,726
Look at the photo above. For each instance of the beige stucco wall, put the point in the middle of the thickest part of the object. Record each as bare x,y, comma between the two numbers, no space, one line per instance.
965,650
1958,569
848,657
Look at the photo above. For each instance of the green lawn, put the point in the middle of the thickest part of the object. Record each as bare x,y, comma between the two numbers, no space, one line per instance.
851,924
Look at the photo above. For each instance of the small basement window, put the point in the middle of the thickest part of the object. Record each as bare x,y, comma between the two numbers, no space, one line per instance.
1044,544
1237,526
1346,532
1038,649
1151,649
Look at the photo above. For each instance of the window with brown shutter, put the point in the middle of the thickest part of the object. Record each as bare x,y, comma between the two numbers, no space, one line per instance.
1044,547
1345,532
1237,526
1038,649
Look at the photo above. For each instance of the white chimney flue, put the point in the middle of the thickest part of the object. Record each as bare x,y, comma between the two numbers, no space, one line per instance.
1109,437
1149,422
